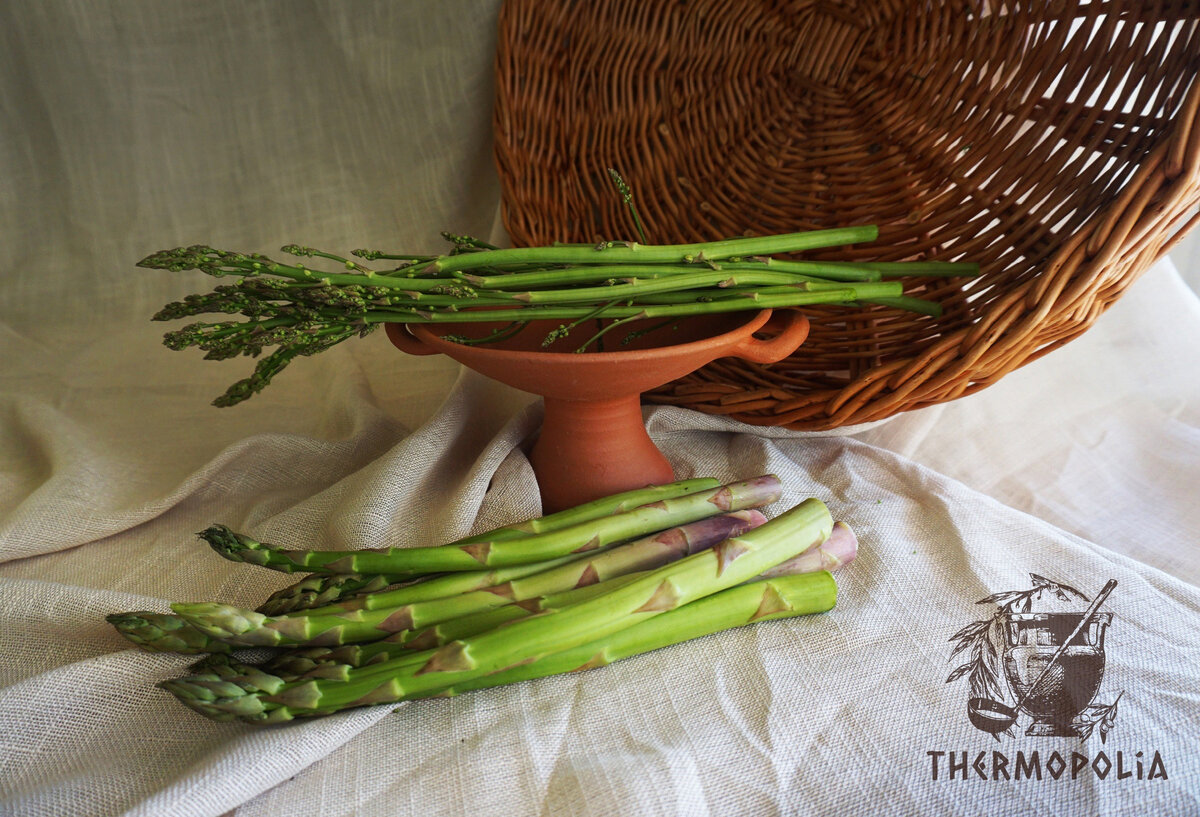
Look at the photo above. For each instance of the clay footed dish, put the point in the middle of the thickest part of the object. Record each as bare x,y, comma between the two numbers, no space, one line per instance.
593,442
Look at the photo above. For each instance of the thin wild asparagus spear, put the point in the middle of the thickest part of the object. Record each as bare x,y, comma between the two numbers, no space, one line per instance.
552,279
303,311
230,691
730,563
379,615
682,285
504,551
612,252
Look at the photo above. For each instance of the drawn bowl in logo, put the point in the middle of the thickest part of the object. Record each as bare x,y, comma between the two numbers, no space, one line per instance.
1031,640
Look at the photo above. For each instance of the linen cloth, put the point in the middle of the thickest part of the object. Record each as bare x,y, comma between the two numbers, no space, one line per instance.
129,127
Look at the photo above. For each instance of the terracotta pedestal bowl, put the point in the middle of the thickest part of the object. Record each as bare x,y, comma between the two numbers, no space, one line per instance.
592,441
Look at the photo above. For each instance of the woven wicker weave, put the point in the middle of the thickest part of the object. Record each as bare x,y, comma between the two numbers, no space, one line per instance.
1056,143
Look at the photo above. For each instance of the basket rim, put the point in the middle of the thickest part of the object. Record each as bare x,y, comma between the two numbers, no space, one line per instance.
1074,285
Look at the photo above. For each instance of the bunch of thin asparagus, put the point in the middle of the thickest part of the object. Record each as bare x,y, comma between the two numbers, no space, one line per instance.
577,589
302,311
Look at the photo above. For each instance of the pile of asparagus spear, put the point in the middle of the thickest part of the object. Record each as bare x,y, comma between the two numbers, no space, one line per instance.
587,291
574,590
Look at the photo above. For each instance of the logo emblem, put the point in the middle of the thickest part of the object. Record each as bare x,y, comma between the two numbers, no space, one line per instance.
1040,655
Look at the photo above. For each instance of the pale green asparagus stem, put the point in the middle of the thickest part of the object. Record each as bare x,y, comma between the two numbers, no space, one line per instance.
436,587
764,600
840,549
335,662
642,554
170,633
161,632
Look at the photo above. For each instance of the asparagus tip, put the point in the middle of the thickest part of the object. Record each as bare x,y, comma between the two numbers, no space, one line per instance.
161,632
234,546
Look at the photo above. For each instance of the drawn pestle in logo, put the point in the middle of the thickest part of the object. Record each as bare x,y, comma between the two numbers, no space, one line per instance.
1052,659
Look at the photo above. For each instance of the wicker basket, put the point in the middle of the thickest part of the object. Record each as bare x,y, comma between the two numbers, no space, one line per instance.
1056,143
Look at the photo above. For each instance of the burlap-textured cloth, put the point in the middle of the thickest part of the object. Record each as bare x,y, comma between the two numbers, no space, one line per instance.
133,126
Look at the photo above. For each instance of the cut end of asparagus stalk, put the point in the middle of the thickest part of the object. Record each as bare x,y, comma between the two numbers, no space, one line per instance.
840,549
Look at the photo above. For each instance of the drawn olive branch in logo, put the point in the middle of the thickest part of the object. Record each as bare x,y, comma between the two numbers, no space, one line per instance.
984,666
1098,715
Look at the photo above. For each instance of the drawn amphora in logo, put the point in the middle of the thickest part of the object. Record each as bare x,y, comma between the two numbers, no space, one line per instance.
1053,662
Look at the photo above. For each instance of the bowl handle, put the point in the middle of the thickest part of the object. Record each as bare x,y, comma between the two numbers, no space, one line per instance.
403,340
791,328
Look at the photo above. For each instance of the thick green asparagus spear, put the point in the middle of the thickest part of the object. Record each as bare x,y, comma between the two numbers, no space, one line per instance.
730,563
415,646
381,614
839,549
166,632
642,554
763,600
435,587
604,506
229,691
503,551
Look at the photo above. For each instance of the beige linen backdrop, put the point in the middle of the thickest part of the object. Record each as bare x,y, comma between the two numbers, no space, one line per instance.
129,127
